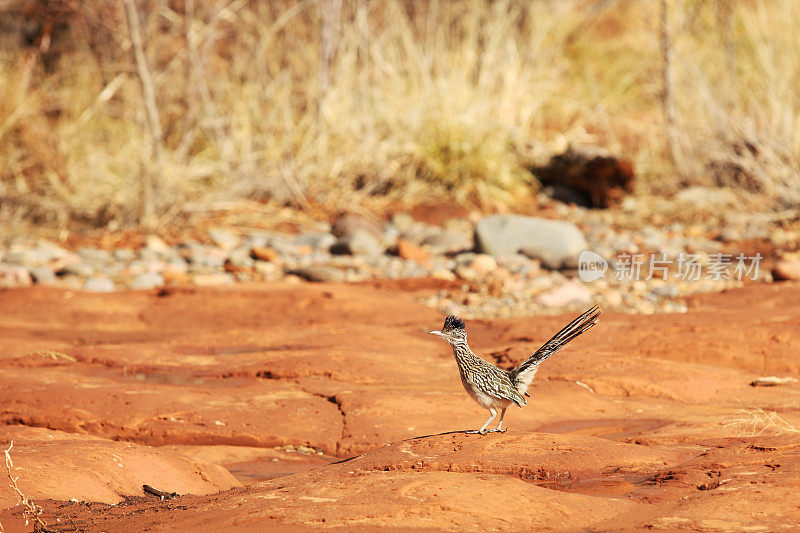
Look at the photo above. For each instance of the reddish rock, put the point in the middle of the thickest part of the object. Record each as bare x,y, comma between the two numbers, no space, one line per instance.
265,253
621,428
408,250
62,466
786,271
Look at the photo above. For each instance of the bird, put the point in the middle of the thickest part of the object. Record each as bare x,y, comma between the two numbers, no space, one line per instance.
492,387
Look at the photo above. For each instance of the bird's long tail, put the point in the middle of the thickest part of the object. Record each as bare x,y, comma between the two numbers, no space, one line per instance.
522,376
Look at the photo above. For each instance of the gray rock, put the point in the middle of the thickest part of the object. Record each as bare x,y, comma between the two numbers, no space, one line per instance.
224,238
556,243
78,268
124,254
447,242
317,241
99,284
240,257
147,280
359,242
43,275
201,258
95,256
319,273
349,223
28,257
666,291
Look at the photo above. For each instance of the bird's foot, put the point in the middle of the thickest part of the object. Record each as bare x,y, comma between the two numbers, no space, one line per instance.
475,431
496,430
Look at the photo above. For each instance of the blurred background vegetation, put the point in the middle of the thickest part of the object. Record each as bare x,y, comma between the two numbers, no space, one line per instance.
124,112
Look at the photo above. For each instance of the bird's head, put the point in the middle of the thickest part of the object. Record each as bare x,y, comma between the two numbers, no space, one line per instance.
452,331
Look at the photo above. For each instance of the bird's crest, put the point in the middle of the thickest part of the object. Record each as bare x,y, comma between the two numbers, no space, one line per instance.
453,323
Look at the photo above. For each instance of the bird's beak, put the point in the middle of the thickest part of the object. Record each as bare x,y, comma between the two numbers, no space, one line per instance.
439,333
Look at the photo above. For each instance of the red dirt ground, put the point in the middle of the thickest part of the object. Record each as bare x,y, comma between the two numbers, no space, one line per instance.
644,422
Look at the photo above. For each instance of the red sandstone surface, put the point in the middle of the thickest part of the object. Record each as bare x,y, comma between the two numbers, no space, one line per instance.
327,405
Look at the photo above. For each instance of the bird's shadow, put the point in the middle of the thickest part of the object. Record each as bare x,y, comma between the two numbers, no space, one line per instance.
463,431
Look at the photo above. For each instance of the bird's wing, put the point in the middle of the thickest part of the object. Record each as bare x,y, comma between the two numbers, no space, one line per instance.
500,385
523,375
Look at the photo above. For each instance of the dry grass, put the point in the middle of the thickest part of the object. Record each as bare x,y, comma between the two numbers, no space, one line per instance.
755,422
341,103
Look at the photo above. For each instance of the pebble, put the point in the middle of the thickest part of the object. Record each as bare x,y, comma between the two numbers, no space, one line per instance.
14,276
494,285
319,273
43,275
786,270
359,242
99,284
146,281
408,250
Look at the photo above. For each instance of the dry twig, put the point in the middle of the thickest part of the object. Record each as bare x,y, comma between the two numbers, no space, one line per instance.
31,512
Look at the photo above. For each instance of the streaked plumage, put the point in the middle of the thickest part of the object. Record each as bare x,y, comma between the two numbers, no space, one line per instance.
494,388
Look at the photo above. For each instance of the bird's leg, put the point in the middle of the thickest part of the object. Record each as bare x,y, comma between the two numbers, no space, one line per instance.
500,425
483,431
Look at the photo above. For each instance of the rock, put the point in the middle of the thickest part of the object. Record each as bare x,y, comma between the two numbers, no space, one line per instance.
448,242
28,257
99,284
14,276
409,250
360,242
349,223
95,256
568,293
264,253
65,466
483,264
223,238
268,271
202,258
147,280
666,291
443,274
557,244
174,271
786,270
403,221
124,254
78,268
156,244
317,241
239,258
43,275
319,273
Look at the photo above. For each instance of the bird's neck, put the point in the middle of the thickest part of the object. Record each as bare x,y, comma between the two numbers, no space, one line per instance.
462,352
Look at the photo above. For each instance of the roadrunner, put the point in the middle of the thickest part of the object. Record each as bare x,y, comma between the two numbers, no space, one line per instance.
494,388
